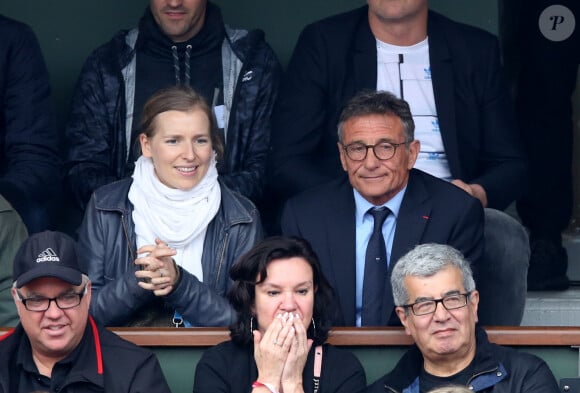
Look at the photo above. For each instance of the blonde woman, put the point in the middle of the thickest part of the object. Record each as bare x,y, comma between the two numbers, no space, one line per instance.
158,246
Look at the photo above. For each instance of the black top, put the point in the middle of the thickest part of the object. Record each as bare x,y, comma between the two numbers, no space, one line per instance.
30,379
428,382
231,368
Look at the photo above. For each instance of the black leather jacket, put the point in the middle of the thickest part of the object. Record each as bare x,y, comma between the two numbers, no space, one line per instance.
107,244
96,131
497,369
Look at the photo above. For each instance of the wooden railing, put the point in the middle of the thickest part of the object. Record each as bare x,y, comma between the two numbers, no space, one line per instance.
388,336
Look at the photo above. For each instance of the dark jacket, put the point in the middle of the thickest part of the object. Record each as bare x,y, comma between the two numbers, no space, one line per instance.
230,368
103,362
107,244
97,128
336,57
30,165
497,369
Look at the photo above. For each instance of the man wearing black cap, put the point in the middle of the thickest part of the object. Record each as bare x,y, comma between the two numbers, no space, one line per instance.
57,346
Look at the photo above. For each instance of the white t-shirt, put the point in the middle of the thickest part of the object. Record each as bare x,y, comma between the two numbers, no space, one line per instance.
406,72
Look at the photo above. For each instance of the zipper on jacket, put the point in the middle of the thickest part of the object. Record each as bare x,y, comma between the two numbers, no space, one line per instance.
221,260
481,373
129,245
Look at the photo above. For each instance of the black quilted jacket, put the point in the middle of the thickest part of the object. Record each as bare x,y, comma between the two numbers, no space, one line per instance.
97,127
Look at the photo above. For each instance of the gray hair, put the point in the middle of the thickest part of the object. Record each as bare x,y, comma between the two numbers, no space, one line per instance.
426,260
377,103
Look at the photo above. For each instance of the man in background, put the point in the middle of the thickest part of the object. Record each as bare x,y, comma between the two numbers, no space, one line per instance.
183,42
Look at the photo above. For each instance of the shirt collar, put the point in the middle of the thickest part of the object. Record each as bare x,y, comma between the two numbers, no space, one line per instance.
82,359
362,205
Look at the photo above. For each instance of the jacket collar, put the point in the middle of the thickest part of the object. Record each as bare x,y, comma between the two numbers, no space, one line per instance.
231,209
487,370
364,59
413,215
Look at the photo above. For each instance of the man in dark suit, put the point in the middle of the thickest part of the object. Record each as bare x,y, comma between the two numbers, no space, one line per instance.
450,74
335,218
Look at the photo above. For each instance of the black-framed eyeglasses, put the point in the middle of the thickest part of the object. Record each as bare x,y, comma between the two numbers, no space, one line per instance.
64,301
450,302
357,151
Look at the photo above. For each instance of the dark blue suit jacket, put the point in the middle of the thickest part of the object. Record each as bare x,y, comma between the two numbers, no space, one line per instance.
432,211
336,57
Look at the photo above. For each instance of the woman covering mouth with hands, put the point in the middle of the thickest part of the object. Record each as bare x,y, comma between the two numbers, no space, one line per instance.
277,343
158,246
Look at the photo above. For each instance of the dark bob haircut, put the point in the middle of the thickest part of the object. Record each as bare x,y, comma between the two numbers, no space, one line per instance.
254,264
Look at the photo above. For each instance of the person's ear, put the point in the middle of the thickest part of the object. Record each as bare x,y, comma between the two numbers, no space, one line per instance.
474,301
145,145
414,147
16,301
404,317
89,292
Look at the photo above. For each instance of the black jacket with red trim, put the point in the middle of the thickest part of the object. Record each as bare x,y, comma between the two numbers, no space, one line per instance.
108,364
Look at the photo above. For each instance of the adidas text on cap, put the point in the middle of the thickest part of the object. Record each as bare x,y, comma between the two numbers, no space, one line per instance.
47,254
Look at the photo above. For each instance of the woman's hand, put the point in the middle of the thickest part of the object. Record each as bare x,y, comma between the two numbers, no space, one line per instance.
158,272
297,355
271,350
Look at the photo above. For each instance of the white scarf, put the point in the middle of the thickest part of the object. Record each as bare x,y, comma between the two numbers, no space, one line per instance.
179,218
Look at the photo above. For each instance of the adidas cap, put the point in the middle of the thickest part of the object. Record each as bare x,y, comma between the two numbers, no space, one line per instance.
47,254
